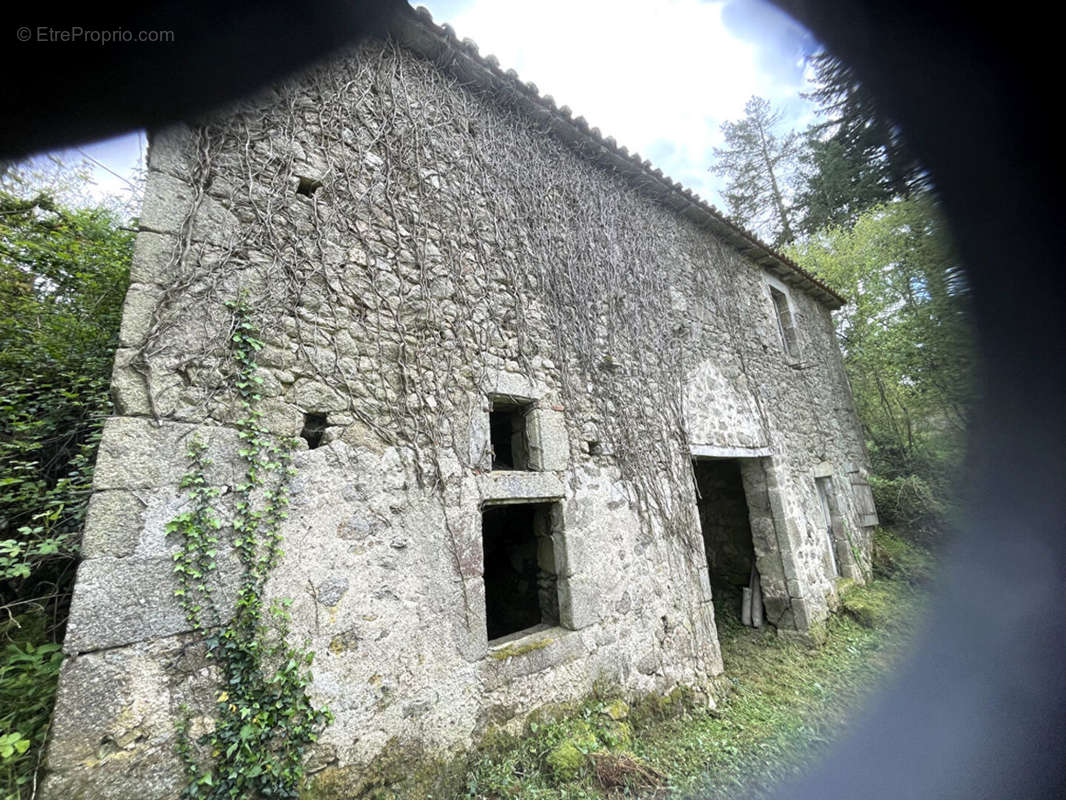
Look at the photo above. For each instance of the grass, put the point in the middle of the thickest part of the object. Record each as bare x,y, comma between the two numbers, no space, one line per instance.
786,702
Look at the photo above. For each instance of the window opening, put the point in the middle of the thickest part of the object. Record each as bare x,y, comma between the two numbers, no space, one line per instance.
521,586
825,493
507,433
784,322
314,429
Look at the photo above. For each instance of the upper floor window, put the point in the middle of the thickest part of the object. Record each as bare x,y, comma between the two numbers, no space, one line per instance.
507,433
785,321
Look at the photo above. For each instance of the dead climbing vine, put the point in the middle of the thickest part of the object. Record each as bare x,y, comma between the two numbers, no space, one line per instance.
439,238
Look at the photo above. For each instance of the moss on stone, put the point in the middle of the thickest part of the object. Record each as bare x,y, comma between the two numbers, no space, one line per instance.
566,761
869,606
400,770
512,650
817,634
662,706
617,709
569,757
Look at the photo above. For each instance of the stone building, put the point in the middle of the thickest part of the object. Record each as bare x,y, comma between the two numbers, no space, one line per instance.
544,400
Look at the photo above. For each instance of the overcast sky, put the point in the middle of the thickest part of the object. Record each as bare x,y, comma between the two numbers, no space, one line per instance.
659,75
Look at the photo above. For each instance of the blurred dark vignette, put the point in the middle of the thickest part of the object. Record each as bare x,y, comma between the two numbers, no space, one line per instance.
979,710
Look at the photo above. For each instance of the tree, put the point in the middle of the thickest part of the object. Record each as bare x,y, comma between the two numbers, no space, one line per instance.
856,157
907,345
64,270
63,277
761,168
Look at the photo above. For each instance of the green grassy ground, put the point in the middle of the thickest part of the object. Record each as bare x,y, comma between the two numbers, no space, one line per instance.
786,703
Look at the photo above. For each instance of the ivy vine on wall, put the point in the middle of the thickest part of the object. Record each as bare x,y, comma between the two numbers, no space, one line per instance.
264,719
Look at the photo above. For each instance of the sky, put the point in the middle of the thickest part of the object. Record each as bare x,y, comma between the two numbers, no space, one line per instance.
661,76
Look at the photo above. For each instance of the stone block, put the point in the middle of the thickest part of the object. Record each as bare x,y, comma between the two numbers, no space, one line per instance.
763,535
707,639
129,391
469,627
529,655
549,445
579,602
316,396
154,258
112,735
113,522
479,444
123,600
173,150
138,314
705,582
572,552
281,418
136,452
464,529
775,606
520,486
167,201
330,591
801,614
511,385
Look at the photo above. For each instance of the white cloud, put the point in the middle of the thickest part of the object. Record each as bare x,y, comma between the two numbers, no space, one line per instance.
660,76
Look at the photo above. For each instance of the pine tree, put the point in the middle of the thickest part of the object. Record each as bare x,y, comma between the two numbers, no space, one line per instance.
761,168
856,157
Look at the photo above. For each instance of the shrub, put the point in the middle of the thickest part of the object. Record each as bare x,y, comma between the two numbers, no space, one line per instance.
63,277
909,502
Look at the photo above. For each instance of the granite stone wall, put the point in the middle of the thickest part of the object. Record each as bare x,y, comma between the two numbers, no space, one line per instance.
413,247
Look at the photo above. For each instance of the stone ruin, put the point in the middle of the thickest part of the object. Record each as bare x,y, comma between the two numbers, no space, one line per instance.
544,400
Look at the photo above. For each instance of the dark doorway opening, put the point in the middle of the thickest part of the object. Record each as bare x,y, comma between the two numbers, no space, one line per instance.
520,580
724,520
507,432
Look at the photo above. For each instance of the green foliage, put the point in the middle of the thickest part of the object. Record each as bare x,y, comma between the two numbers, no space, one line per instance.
837,188
871,232
28,674
761,168
63,277
908,349
896,557
264,718
911,503
856,158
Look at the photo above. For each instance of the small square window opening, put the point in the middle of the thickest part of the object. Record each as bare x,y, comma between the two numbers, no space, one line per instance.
314,429
507,434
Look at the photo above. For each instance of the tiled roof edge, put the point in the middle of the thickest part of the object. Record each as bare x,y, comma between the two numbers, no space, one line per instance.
415,29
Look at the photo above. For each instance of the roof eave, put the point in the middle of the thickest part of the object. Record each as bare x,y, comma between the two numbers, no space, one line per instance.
416,30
